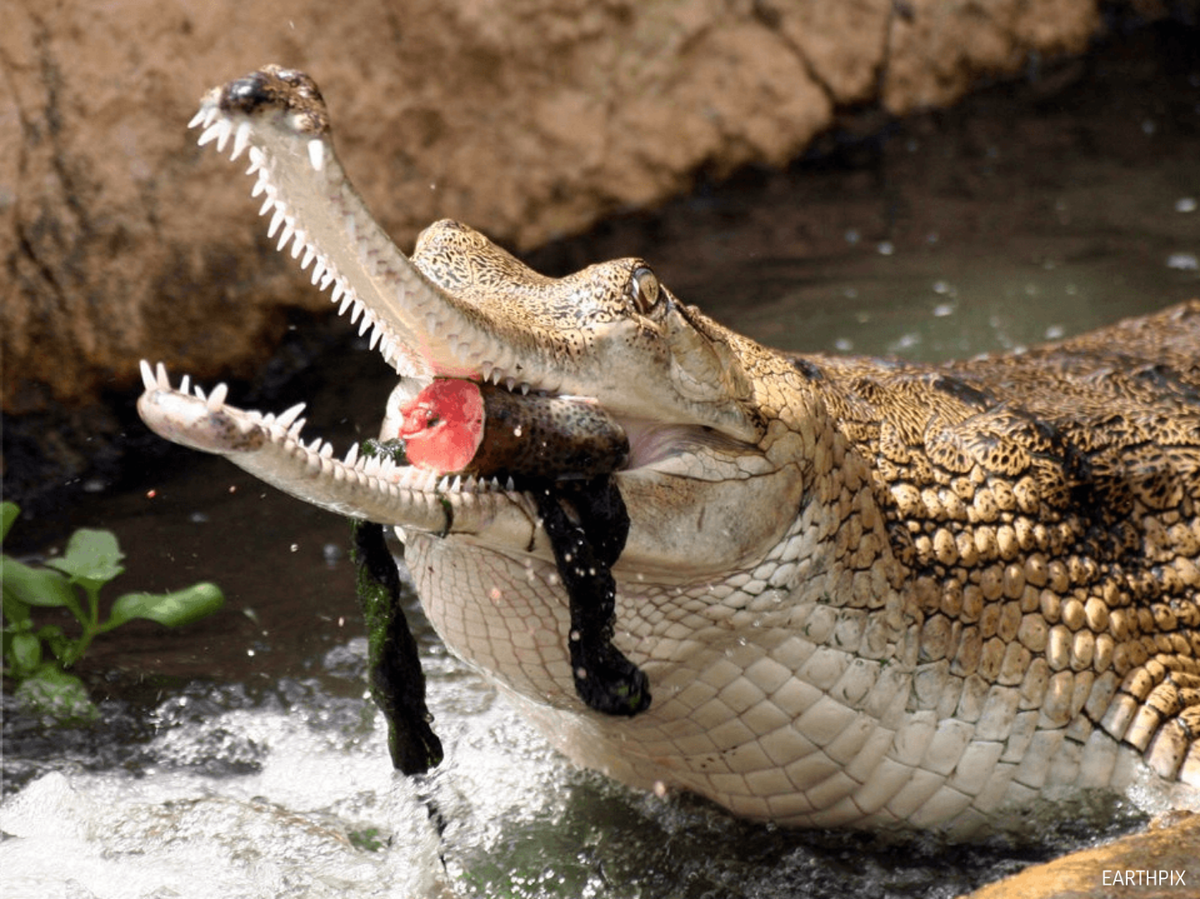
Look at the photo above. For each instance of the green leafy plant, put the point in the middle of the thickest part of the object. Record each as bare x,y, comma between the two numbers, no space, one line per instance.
37,657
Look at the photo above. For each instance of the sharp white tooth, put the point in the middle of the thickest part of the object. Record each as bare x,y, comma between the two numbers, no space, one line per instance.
241,140
366,323
346,301
276,221
327,278
316,154
352,455
257,158
376,333
259,186
298,244
216,399
185,385
510,383
289,231
199,392
358,310
318,269
290,415
147,375
510,485
296,428
309,255
268,204
525,389
223,135
338,289
219,131
198,119
444,484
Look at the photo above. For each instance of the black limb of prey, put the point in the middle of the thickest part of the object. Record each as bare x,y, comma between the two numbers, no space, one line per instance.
587,524
394,667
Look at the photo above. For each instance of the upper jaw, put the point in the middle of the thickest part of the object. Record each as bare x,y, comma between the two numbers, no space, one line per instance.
277,117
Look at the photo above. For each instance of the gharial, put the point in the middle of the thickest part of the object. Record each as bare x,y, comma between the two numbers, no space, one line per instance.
864,593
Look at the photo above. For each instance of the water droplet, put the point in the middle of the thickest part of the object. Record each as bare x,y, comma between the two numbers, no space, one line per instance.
1185,204
885,248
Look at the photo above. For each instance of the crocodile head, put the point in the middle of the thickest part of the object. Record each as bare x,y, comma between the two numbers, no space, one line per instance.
462,307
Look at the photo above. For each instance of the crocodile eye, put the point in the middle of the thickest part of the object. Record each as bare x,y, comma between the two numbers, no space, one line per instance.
644,289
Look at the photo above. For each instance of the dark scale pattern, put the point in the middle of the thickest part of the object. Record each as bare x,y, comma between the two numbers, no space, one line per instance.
1046,505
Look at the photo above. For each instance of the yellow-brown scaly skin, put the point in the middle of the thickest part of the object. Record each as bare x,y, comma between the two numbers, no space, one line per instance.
866,593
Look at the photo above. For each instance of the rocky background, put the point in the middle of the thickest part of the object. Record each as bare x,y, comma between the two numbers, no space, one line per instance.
529,119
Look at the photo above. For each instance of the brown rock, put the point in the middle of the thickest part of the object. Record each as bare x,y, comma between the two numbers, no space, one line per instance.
1148,865
120,238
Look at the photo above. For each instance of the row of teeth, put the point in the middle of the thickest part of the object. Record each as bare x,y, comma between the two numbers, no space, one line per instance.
224,131
288,426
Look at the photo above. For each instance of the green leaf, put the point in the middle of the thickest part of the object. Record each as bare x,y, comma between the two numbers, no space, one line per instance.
8,514
35,586
92,559
172,609
26,652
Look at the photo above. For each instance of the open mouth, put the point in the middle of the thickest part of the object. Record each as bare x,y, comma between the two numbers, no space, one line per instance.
473,411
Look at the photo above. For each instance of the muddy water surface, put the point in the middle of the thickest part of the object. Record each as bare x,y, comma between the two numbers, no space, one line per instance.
239,758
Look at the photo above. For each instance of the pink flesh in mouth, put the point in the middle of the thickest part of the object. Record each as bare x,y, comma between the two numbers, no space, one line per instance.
443,425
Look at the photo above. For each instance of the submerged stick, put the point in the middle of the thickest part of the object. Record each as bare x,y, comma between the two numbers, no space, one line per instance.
394,667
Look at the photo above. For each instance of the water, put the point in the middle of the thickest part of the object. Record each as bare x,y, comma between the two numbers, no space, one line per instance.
240,758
